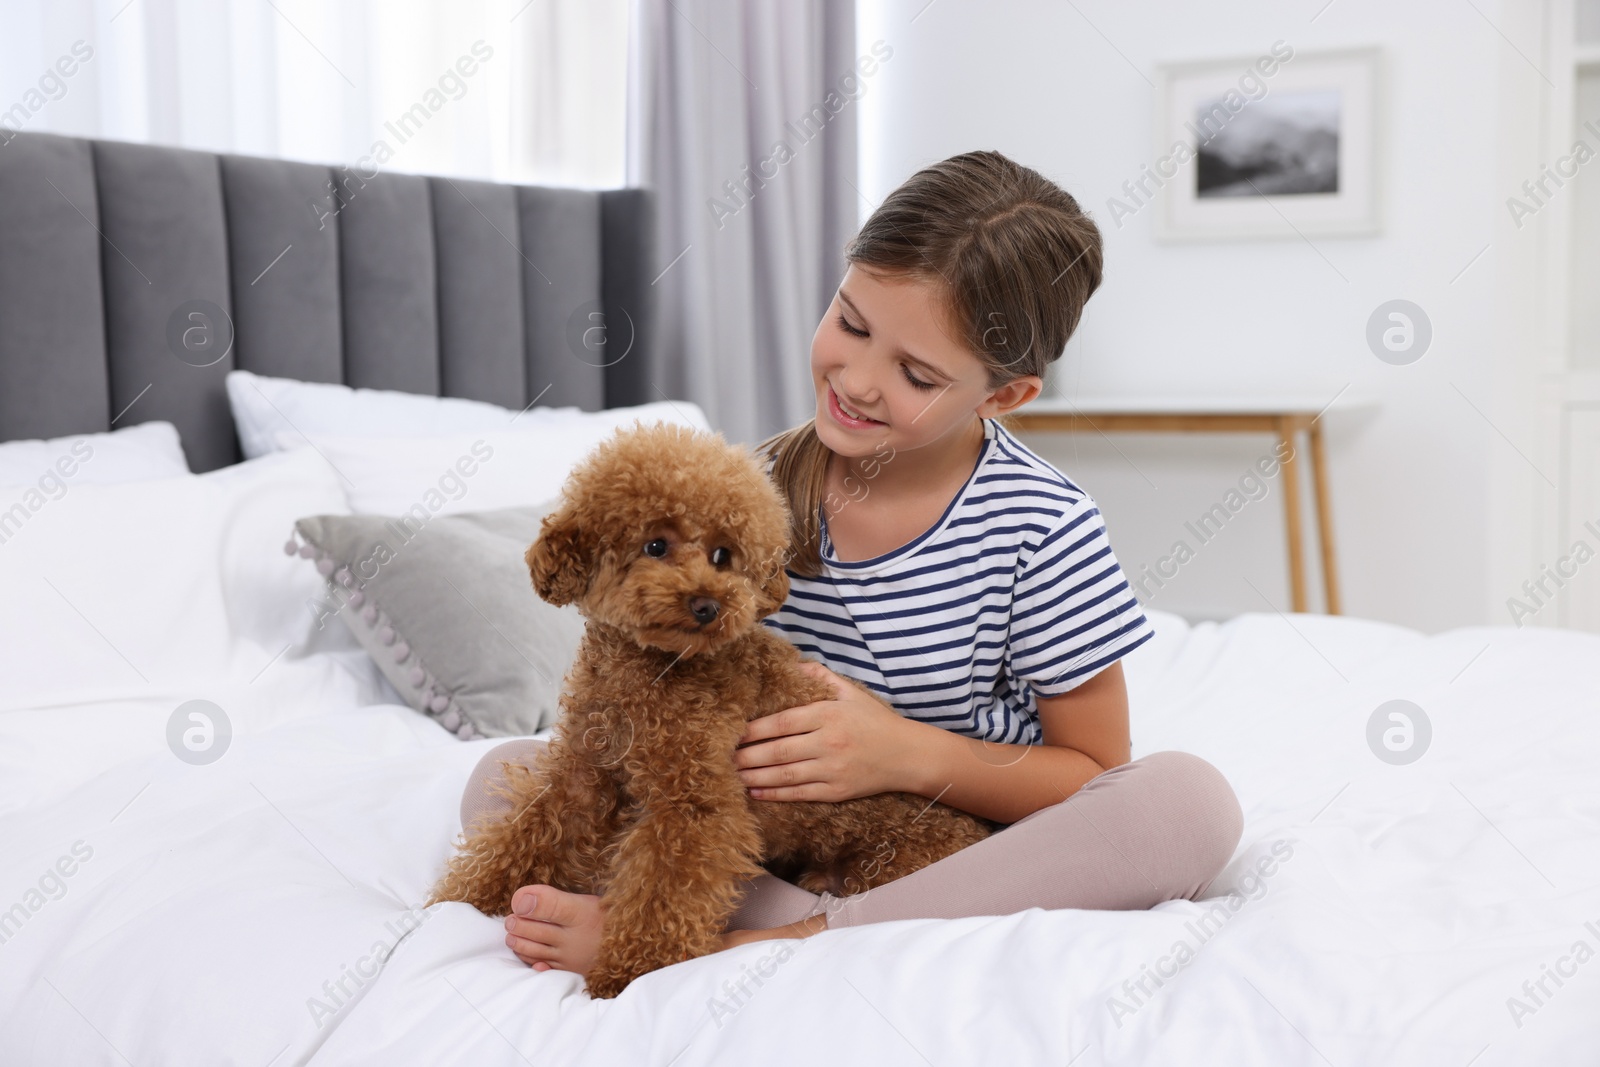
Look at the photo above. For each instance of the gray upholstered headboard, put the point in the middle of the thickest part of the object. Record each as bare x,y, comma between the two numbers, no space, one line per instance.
427,285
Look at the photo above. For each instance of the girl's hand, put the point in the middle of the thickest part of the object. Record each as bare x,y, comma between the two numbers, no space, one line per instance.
832,750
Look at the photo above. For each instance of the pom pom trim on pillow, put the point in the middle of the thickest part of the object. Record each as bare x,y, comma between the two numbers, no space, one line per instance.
433,699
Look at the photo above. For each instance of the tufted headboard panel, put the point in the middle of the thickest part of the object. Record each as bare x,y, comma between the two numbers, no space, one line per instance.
133,277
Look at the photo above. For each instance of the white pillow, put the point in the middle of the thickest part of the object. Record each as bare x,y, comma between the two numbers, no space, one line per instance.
131,454
139,589
427,476
266,408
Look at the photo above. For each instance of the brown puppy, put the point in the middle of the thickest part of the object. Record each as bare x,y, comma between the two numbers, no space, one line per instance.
672,542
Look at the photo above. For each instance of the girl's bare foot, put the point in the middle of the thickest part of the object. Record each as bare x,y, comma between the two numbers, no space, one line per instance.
550,929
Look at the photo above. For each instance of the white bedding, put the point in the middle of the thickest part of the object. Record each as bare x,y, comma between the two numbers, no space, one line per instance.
208,905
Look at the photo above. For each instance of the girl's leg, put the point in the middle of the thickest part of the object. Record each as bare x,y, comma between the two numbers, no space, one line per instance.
769,902
1159,828
477,802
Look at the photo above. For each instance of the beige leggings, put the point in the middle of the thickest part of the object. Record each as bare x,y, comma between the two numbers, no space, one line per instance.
1158,828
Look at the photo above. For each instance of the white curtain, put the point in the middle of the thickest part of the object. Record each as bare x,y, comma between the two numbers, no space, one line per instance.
509,90
751,233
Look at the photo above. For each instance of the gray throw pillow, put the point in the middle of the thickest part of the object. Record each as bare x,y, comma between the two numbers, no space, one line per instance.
445,607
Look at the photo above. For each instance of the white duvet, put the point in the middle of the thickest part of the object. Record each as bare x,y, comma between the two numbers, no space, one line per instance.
261,910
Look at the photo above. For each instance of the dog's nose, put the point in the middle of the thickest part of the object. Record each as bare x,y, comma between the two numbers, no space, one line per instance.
703,608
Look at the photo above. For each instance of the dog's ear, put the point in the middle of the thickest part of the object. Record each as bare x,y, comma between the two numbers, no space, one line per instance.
560,561
773,589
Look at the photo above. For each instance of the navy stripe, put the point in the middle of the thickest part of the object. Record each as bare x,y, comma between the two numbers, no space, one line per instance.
849,635
967,639
1106,660
1053,622
932,568
1026,527
1074,657
1016,472
1025,493
1036,606
918,613
907,672
925,589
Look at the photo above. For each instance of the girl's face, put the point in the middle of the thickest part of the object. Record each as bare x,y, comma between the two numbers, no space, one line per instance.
886,351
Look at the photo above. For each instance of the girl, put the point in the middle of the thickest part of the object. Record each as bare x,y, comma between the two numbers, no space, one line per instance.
971,584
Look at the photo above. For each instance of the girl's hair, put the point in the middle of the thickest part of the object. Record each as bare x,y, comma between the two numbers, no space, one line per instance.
1016,259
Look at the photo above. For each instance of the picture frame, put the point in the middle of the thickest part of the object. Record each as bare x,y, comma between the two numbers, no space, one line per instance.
1280,145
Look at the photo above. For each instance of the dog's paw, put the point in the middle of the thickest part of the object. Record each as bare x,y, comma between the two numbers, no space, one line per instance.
826,881
812,881
605,985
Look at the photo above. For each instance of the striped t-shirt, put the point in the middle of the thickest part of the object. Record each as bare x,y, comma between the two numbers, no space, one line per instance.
1014,593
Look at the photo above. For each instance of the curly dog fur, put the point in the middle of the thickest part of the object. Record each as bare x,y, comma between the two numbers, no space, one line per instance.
673,542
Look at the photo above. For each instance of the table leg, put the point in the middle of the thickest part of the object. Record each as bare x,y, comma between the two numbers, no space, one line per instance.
1319,480
1291,516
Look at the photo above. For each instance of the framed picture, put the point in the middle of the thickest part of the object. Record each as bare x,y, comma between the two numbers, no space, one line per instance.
1284,144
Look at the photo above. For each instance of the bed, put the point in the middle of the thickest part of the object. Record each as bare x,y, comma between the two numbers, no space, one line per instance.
1418,880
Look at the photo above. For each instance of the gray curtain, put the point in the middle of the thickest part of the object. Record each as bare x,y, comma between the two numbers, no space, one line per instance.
742,118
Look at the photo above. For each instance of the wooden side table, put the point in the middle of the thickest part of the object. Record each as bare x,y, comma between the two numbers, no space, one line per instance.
1284,419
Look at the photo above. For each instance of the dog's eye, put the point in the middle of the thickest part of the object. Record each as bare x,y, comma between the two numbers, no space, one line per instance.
656,548
720,556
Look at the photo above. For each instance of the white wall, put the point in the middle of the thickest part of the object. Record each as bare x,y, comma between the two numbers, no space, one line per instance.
1065,89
